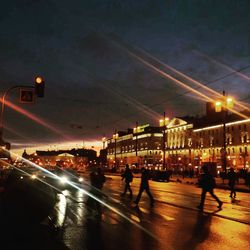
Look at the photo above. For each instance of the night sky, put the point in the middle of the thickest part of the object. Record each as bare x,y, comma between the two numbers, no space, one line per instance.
90,54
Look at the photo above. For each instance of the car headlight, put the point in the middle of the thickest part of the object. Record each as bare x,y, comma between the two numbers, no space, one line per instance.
80,179
33,176
64,179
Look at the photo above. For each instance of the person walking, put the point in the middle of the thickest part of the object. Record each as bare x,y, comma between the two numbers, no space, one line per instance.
128,177
207,183
144,186
97,179
232,178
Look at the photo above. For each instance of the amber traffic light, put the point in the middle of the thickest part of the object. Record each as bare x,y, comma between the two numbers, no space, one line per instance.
39,86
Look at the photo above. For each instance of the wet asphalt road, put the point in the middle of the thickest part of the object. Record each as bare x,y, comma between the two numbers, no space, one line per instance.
173,223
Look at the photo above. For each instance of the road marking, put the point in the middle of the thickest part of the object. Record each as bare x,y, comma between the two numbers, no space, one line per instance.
146,211
135,218
167,218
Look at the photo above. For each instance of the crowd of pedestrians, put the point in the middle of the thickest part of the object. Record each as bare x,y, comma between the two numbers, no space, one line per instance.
206,182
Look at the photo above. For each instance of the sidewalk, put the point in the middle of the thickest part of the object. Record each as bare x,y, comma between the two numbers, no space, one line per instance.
241,187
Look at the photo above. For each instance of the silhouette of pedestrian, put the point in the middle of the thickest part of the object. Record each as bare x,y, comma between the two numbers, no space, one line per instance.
207,183
144,186
97,180
232,178
128,176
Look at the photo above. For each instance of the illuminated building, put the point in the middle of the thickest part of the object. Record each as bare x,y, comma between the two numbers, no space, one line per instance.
140,146
73,158
189,142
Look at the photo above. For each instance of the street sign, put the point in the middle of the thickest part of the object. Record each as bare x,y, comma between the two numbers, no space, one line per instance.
27,95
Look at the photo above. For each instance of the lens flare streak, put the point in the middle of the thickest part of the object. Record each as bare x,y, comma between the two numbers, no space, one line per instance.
113,209
182,84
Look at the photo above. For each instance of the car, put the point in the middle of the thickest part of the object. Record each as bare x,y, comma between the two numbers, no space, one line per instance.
159,175
63,178
26,199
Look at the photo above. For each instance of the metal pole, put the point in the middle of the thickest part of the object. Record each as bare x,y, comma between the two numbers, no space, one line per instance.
3,106
224,110
136,142
164,143
115,148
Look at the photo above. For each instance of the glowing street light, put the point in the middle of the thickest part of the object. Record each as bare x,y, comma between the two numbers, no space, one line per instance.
163,123
218,107
223,106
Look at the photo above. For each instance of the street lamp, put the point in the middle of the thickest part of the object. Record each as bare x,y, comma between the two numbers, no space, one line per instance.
223,106
115,136
136,130
163,123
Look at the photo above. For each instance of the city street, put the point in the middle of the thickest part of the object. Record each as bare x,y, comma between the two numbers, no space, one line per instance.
149,93
173,223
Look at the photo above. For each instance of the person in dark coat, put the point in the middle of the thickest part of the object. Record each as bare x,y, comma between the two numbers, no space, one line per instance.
207,183
97,179
232,178
144,186
128,177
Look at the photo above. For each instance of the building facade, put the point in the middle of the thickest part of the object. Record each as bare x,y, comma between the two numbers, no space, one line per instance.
141,146
187,143
73,158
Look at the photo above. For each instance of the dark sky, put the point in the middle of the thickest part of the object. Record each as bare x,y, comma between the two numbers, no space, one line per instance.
94,85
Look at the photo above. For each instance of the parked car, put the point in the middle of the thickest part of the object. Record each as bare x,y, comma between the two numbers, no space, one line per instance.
159,175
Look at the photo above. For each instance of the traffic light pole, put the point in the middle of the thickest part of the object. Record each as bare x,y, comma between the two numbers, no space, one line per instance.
3,106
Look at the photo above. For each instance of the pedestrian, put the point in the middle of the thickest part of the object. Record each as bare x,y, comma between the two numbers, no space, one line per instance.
232,178
207,183
144,186
128,177
97,179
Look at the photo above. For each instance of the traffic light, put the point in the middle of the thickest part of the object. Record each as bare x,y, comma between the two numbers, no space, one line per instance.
39,86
